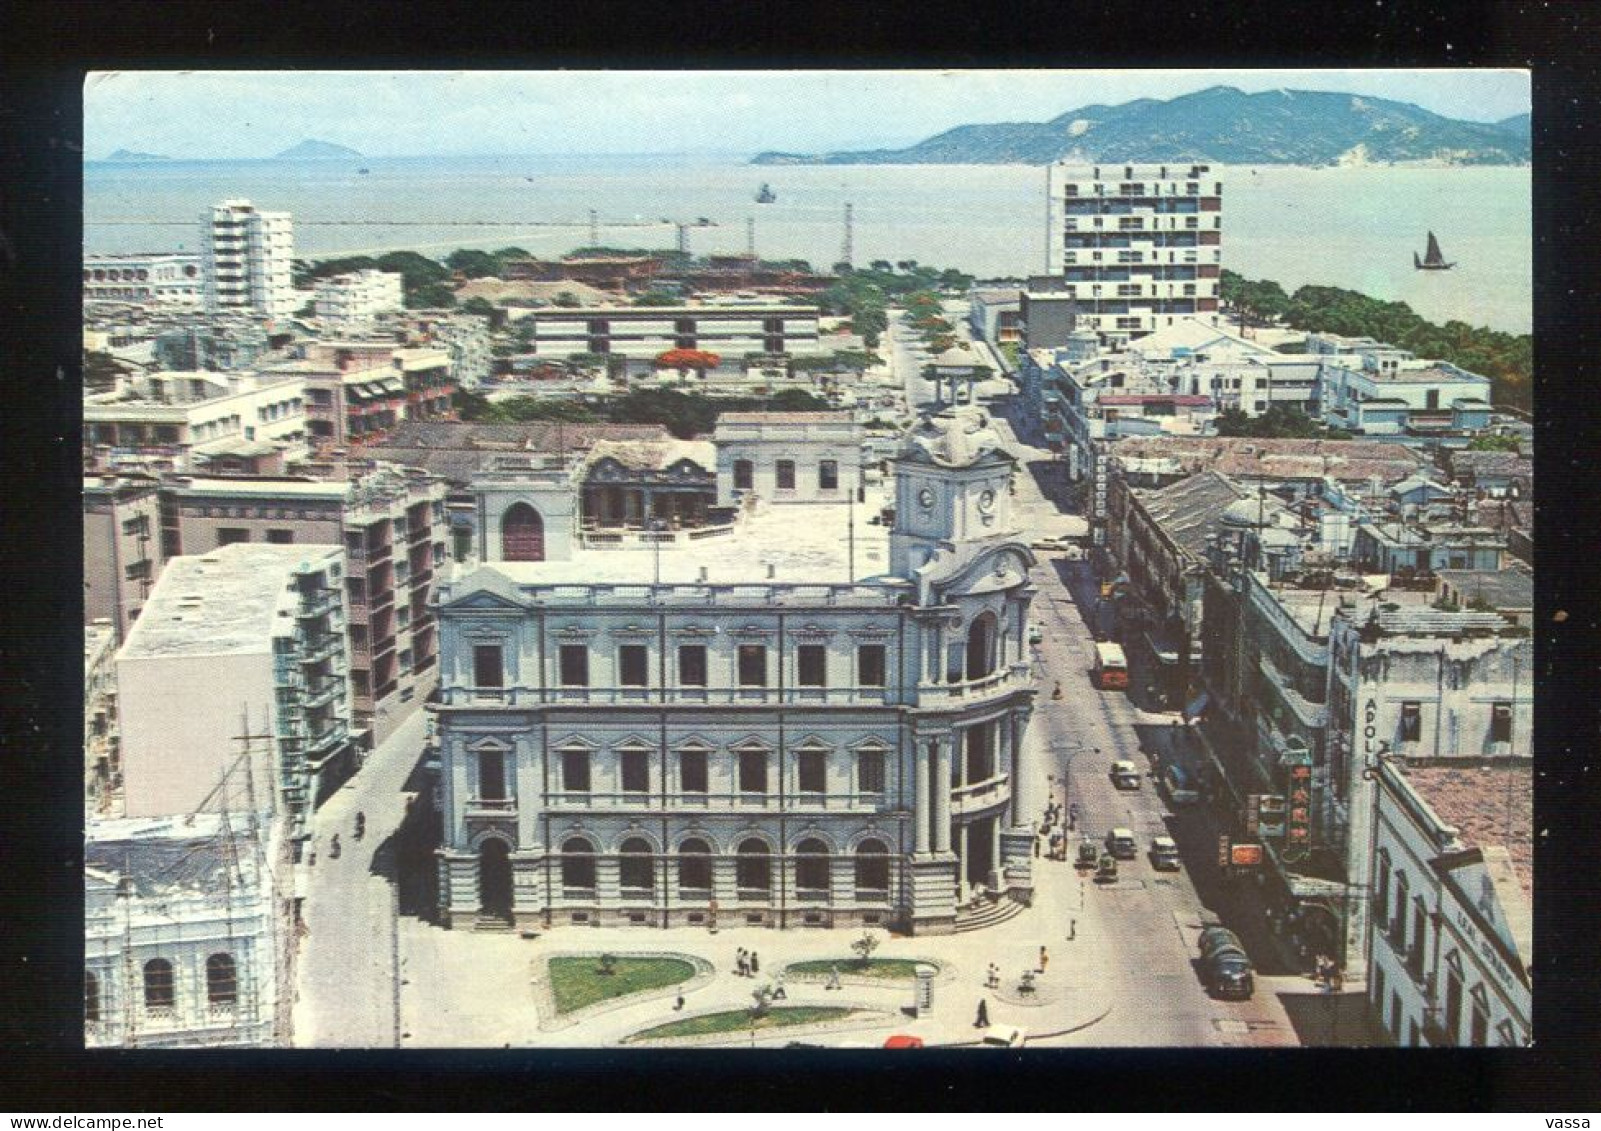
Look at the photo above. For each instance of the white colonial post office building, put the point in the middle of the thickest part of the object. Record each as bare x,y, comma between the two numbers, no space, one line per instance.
799,724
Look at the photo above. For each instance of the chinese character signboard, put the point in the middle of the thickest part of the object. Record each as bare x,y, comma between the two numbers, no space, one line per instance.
1253,802
1223,845
1298,825
1270,810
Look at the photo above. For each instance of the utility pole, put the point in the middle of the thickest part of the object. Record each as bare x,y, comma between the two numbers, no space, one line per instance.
847,254
594,229
750,236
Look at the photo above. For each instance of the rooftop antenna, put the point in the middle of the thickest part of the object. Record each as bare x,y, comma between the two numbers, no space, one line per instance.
850,538
750,236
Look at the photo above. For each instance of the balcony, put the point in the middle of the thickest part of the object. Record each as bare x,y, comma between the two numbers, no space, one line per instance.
615,696
981,795
971,692
322,691
490,806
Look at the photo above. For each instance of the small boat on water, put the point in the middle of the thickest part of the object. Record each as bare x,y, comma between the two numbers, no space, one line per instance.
1432,259
364,171
766,195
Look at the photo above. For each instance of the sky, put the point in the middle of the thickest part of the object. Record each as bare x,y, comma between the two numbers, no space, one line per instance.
222,114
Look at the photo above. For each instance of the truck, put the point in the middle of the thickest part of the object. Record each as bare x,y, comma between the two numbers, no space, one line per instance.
1224,965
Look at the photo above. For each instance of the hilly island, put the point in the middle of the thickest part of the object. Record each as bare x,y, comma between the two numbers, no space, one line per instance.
1220,124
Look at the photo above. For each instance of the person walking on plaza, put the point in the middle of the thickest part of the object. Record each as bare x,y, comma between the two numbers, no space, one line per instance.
833,978
779,992
741,963
755,964
678,1005
1045,960
982,1021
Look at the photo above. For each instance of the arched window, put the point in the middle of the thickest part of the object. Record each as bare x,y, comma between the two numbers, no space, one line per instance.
158,985
981,646
872,868
636,869
577,863
522,534
811,865
91,996
754,869
744,474
222,980
694,864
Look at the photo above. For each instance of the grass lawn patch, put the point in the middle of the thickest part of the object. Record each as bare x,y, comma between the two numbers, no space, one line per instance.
577,982
739,1021
890,969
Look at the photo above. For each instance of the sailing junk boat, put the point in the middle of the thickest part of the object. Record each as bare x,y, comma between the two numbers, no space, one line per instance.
767,195
1432,259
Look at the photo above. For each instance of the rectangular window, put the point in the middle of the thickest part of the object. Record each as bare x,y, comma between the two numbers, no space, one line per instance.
692,771
743,474
753,665
870,771
631,665
1411,722
228,535
281,537
811,665
491,775
488,668
636,771
870,665
786,474
1501,722
812,771
828,475
574,665
575,771
692,665
753,771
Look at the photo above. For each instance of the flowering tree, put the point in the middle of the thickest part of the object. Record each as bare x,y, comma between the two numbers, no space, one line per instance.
686,360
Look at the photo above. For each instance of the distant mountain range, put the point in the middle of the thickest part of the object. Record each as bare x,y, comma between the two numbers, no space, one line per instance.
1222,125
311,147
135,155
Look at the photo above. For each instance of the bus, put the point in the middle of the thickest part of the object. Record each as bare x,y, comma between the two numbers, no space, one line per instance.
1111,669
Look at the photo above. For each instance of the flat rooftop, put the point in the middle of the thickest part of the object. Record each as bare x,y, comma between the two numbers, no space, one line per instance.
806,544
231,601
1313,609
259,488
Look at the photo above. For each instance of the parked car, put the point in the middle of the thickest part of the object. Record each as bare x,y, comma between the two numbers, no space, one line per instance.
904,1041
1121,844
1056,544
1004,1036
1180,786
1224,964
1125,775
1164,854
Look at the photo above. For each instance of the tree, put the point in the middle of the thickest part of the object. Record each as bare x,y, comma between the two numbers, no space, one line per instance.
473,263
566,299
430,296
656,298
698,360
481,306
1493,444
864,947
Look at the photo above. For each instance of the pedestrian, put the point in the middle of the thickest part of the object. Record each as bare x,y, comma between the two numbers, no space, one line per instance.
1045,960
1036,850
982,1021
755,964
678,1004
833,977
741,963
779,993
1072,929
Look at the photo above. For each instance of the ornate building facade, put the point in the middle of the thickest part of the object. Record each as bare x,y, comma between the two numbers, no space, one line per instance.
796,725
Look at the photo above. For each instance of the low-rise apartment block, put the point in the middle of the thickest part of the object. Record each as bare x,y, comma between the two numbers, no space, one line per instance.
122,548
358,296
168,280
179,421
256,635
640,334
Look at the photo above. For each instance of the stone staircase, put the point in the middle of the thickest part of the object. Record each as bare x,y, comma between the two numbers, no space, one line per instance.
497,924
987,914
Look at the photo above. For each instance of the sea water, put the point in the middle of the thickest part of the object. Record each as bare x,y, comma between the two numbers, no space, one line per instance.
1353,227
